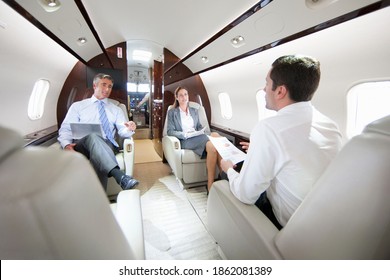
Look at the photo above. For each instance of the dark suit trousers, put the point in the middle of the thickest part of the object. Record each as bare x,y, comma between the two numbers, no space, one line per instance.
101,154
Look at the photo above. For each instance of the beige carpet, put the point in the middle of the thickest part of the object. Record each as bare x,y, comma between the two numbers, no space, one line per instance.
173,228
175,220
144,151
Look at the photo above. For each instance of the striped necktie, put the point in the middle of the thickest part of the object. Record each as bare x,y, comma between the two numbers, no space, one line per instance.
105,123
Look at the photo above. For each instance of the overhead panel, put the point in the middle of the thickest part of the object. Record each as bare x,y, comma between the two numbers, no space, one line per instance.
275,21
72,30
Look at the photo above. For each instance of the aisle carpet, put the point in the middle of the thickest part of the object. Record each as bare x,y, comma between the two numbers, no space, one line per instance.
173,228
175,220
144,151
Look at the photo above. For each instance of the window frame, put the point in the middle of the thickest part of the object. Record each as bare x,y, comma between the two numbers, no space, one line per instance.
226,105
357,97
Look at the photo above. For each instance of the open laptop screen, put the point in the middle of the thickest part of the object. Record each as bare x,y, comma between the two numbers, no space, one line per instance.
79,130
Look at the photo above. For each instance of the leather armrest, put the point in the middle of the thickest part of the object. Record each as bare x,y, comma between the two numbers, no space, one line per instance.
128,155
128,214
241,230
172,151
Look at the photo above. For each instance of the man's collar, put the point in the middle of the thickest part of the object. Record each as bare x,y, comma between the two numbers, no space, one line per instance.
296,105
94,99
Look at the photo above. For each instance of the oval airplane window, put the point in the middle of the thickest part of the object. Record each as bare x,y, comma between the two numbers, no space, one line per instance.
226,105
36,103
262,111
71,97
366,102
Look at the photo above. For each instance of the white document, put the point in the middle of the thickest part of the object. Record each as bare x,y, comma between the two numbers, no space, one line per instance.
227,150
195,133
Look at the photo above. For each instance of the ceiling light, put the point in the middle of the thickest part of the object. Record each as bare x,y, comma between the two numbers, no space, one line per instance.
319,4
204,59
50,5
237,41
141,55
81,41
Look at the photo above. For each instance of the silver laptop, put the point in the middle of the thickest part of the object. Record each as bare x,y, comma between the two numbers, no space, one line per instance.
79,130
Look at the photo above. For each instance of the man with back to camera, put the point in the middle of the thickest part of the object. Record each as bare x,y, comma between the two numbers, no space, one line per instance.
99,150
289,151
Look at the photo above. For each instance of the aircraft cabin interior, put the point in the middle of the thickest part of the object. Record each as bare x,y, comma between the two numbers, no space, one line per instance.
53,205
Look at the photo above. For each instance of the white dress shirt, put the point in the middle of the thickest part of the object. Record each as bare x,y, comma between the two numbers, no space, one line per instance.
86,111
287,154
187,122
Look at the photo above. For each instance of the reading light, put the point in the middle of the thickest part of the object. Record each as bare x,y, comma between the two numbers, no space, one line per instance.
319,4
237,41
50,5
204,59
81,40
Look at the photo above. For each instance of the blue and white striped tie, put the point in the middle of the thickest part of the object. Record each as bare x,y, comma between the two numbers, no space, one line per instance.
106,124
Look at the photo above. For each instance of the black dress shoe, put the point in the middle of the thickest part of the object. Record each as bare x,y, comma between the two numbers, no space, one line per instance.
128,182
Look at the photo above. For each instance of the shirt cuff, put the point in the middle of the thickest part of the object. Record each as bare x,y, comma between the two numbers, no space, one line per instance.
231,173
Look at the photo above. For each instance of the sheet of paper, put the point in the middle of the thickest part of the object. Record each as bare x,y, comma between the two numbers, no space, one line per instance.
195,133
227,150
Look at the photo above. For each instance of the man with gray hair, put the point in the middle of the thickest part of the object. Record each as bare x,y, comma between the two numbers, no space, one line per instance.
99,150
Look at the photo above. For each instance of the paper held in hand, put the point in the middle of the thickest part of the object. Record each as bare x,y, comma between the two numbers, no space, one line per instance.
195,133
227,150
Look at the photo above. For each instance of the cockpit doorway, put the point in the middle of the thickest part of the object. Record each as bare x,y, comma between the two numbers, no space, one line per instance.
138,96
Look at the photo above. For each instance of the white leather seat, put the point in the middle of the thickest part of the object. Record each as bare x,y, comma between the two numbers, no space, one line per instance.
52,206
345,216
186,165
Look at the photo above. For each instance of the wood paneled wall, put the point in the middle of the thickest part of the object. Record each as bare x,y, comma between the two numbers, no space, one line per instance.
177,74
171,74
76,88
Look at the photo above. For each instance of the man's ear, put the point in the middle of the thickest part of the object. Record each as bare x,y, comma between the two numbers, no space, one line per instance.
281,92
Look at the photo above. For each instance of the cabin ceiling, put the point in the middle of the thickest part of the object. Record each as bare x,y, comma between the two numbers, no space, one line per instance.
190,29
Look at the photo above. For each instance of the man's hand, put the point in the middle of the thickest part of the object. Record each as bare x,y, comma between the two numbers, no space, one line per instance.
70,147
131,125
226,164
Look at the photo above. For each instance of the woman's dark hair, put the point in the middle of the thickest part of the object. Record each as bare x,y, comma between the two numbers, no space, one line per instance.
299,74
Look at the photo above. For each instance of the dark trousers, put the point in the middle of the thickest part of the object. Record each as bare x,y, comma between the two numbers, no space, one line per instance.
265,206
101,154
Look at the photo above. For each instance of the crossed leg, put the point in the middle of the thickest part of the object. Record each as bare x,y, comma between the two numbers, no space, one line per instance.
212,161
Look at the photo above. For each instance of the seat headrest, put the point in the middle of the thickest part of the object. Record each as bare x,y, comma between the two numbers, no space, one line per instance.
10,141
381,126
190,104
113,101
194,105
